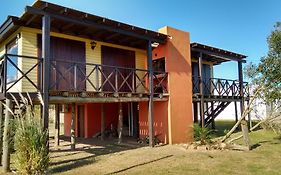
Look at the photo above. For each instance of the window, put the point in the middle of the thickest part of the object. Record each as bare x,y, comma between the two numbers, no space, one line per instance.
159,65
12,48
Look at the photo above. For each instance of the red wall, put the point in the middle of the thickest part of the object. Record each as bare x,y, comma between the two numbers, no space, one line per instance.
92,123
160,120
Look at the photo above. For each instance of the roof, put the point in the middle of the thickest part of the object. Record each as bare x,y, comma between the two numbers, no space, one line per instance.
215,54
73,22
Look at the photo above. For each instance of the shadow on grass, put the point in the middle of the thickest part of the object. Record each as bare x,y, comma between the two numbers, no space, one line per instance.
68,165
68,160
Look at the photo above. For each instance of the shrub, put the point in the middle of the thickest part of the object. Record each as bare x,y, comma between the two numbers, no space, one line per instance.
202,134
31,148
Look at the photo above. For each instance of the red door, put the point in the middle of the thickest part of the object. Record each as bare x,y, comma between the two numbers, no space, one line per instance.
118,58
67,64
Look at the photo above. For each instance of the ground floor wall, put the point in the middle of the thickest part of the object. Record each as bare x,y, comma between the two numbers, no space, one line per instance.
91,121
160,120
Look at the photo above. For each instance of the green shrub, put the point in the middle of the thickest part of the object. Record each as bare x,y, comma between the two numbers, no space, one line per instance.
31,148
204,135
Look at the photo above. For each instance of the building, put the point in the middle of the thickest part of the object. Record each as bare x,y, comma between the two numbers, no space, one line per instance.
106,75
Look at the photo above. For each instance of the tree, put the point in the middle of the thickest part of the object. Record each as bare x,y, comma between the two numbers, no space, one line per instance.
265,78
267,73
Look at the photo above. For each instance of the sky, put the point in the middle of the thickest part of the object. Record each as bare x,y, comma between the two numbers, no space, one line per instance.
236,25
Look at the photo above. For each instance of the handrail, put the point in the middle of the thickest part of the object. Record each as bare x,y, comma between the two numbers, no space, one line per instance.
220,87
79,76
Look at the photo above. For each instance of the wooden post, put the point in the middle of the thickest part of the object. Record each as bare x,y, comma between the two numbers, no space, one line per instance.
236,112
249,117
46,25
200,64
102,122
57,125
245,132
151,94
195,112
72,132
1,131
6,137
244,124
120,123
213,118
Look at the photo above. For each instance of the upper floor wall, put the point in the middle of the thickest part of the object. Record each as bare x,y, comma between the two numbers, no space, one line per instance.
28,38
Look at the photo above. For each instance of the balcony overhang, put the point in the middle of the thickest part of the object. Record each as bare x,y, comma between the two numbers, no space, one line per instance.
73,22
215,55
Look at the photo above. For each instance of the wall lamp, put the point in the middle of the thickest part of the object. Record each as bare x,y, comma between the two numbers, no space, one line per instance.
93,45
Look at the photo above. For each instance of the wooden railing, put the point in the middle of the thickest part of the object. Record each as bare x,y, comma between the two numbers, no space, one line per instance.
78,76
220,87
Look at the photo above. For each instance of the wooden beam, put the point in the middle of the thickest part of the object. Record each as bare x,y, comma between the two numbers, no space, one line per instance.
151,94
72,132
120,123
85,22
102,122
46,25
6,137
112,36
201,90
57,125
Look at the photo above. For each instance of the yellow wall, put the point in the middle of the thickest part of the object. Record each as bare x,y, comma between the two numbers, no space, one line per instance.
28,47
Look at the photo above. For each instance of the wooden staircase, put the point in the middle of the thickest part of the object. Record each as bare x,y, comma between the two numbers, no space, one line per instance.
214,110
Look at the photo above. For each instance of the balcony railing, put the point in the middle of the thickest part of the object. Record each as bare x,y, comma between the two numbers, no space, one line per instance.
77,77
220,87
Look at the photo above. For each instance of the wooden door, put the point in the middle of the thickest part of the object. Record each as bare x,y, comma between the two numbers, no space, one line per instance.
118,58
66,73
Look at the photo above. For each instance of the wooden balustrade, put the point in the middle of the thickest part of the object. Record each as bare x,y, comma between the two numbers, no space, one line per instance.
79,77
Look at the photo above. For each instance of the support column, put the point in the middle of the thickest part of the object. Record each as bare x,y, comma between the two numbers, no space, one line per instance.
200,64
46,25
213,118
195,112
57,125
244,124
120,123
102,122
1,131
72,132
6,136
151,94
236,112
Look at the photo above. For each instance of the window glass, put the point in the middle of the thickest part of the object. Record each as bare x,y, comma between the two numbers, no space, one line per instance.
12,48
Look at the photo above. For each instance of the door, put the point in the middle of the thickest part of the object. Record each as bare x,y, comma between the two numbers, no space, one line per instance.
115,57
67,64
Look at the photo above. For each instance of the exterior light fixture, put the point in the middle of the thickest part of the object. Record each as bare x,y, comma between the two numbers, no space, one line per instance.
154,44
93,45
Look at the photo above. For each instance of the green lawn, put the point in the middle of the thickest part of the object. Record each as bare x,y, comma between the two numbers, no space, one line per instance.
171,159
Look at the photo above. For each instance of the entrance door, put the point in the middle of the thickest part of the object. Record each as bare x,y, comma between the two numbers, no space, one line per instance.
66,74
117,58
81,120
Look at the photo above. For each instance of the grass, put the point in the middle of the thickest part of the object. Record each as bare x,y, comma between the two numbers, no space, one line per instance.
170,159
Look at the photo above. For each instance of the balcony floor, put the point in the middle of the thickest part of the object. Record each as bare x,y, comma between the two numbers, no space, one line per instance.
56,97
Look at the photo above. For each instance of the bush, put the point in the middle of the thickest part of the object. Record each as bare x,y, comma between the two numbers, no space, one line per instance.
31,149
204,135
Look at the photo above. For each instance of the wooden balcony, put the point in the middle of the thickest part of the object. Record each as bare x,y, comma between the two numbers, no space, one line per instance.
216,88
80,82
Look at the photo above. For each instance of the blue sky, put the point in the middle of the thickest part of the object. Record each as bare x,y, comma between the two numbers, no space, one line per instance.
236,25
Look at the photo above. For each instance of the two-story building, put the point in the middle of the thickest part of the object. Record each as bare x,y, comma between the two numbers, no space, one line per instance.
105,75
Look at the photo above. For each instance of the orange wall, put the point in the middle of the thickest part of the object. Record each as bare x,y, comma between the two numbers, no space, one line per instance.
160,120
178,65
